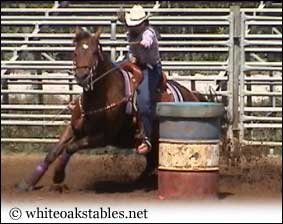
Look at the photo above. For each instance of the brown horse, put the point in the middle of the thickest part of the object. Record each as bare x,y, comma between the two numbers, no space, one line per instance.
102,104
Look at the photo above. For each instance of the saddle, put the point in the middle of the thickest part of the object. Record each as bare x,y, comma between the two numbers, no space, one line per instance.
166,90
136,76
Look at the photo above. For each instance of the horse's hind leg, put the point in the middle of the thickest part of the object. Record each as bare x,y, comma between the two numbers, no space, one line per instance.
59,173
42,166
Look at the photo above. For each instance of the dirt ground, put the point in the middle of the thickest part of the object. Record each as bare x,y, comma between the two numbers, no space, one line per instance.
111,177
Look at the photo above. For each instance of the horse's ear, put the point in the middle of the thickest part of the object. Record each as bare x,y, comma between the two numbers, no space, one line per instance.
98,32
78,30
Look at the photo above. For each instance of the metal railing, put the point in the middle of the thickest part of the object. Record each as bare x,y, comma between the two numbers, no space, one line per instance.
233,43
252,117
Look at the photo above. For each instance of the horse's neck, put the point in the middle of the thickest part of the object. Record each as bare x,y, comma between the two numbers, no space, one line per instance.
107,89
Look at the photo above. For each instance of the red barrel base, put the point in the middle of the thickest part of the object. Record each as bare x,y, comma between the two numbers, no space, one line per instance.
187,184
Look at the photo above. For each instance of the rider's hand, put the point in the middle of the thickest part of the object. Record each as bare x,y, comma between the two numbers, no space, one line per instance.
147,39
121,15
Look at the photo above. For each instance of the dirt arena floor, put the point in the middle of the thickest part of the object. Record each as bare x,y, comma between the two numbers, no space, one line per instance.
110,177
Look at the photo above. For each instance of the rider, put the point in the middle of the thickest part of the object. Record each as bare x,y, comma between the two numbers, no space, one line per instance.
145,54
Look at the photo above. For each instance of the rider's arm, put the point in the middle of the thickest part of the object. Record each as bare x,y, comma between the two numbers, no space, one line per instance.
121,15
131,58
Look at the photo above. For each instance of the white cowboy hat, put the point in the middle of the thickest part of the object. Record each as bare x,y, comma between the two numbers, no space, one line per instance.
136,16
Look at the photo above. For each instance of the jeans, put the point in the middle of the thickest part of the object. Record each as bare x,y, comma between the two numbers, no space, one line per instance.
145,97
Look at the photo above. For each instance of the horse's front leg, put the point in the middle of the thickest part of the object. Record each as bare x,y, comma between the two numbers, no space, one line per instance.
29,183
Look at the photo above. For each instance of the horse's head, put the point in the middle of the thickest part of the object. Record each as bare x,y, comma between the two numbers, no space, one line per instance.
87,56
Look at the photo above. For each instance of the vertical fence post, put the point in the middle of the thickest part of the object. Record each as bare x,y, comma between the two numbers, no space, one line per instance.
242,79
230,79
5,96
233,81
113,37
236,64
249,101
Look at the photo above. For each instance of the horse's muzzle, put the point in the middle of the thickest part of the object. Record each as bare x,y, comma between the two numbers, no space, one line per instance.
82,79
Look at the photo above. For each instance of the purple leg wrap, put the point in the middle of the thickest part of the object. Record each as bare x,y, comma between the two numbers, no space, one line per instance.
38,173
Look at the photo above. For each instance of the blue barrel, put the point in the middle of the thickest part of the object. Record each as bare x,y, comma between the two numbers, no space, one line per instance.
190,120
189,148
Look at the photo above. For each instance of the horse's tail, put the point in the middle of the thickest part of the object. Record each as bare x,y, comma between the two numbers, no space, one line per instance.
212,95
197,96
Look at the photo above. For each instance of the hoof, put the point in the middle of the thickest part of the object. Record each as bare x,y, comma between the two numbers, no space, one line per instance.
61,188
59,176
23,187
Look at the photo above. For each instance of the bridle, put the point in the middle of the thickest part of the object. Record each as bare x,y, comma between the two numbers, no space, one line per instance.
92,78
91,69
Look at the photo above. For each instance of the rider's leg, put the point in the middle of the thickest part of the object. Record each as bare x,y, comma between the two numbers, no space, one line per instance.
146,104
42,166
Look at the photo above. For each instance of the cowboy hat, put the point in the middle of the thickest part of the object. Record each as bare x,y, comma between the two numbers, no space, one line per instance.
136,16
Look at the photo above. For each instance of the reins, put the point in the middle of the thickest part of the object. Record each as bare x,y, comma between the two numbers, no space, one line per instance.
109,106
92,82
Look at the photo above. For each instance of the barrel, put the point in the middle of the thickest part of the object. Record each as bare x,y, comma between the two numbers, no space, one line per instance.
189,139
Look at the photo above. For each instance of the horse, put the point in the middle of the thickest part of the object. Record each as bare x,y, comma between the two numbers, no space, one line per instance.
103,102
